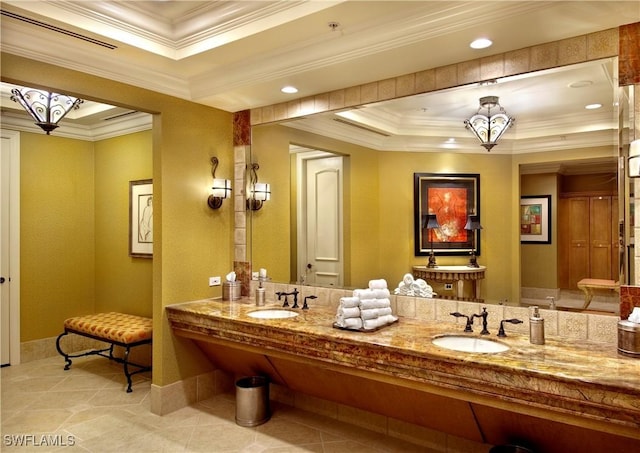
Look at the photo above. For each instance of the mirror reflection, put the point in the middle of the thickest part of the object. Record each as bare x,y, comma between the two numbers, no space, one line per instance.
342,207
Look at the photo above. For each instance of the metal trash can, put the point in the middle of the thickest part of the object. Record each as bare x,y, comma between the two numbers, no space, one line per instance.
252,401
231,291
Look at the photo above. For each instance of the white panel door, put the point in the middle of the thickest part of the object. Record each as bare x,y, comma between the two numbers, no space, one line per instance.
324,245
9,247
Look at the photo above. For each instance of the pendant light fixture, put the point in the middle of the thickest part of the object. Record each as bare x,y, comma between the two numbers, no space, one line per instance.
47,109
488,128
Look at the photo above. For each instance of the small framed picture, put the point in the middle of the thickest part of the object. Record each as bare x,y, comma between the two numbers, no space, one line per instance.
535,219
141,218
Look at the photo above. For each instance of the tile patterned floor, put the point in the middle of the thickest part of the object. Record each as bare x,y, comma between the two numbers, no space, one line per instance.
86,409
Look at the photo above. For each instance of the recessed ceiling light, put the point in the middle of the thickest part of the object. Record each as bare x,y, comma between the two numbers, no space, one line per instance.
289,89
592,106
481,43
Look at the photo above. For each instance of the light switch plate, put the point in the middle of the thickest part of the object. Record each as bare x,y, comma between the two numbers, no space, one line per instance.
214,281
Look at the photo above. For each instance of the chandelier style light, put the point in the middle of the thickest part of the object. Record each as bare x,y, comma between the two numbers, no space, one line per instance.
488,128
47,109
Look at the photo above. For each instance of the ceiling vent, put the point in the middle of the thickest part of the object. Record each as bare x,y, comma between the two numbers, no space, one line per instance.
50,27
368,129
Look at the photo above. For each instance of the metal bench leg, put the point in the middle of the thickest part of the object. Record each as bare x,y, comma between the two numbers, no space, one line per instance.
126,369
66,356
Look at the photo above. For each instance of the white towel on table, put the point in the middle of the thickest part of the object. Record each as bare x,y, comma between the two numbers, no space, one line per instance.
353,323
367,304
378,284
349,302
371,313
381,293
353,312
363,294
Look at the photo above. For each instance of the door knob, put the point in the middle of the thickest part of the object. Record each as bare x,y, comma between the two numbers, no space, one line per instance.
1,280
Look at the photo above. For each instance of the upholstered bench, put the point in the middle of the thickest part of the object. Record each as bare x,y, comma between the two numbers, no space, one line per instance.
589,285
117,329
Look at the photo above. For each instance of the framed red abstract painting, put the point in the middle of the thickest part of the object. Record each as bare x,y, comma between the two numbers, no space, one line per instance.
451,198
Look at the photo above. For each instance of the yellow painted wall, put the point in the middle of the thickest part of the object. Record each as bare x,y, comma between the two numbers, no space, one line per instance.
122,283
397,244
539,262
193,242
272,226
74,228
57,251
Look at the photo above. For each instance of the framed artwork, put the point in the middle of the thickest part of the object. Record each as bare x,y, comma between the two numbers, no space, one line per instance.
141,218
452,198
535,219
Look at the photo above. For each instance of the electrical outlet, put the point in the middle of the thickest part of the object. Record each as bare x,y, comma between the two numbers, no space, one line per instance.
448,286
214,281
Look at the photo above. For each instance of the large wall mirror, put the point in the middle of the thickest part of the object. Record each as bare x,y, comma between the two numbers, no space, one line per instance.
342,182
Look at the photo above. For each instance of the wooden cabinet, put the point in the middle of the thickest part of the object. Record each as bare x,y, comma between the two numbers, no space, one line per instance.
588,242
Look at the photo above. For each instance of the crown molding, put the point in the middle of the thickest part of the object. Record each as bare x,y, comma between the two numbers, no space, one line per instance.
136,122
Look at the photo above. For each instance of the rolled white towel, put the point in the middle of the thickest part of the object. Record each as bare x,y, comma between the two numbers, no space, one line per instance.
353,312
381,283
407,279
353,323
371,313
349,302
370,324
374,303
384,311
364,294
381,293
387,319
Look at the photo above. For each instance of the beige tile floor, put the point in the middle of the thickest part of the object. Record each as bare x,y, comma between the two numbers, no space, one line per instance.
86,409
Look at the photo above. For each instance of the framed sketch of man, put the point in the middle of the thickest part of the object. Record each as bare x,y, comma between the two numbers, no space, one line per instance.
141,218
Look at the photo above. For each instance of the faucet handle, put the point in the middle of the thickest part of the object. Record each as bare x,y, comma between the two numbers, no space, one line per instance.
305,306
512,321
467,328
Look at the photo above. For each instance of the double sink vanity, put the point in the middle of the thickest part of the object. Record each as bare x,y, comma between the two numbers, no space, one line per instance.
563,394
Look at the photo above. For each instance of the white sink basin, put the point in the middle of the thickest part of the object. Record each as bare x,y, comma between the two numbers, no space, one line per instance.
273,313
464,343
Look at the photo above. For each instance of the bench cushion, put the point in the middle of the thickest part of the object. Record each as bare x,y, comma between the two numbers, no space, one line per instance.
113,326
597,283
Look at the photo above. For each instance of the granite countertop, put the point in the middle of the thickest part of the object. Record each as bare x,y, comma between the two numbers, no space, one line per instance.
588,381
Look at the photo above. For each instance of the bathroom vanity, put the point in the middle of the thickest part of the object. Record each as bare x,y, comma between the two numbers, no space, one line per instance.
566,393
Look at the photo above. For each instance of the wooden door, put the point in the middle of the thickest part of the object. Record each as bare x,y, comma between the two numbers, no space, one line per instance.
579,263
600,237
617,261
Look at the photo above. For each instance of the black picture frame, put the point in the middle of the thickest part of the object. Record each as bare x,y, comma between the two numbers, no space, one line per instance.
535,219
452,197
141,218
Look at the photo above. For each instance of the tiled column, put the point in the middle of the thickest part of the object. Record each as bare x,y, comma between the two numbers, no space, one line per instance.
241,149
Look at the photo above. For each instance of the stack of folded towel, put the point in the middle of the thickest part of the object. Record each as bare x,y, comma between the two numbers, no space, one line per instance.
367,309
348,315
410,287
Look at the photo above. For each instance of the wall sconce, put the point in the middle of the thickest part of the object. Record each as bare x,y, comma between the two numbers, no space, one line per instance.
473,224
47,109
432,224
221,187
259,192
633,169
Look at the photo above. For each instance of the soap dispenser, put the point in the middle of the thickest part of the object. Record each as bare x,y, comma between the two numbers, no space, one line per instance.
536,327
